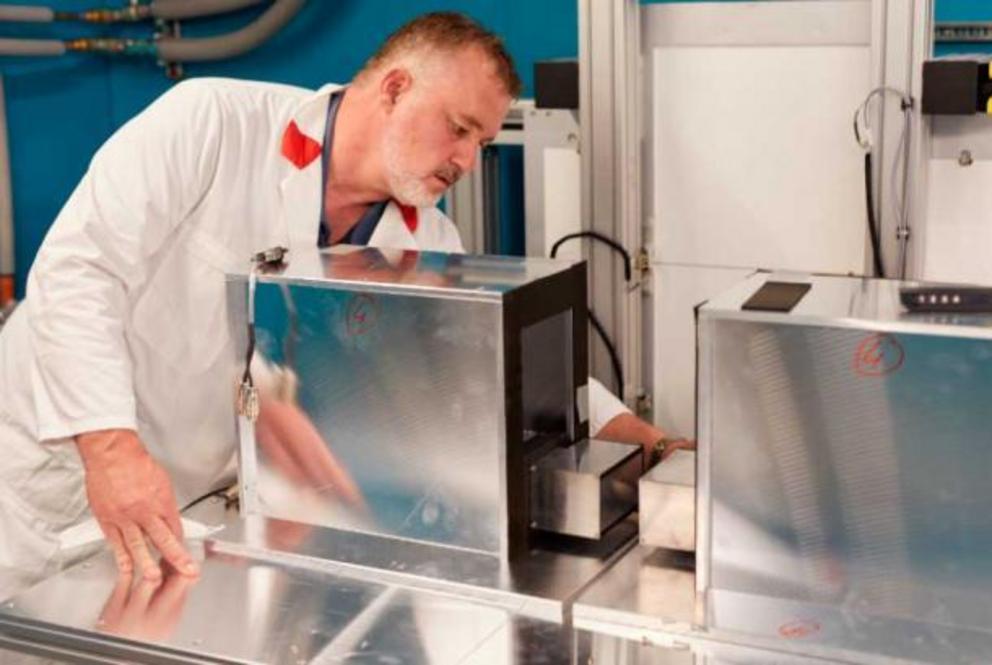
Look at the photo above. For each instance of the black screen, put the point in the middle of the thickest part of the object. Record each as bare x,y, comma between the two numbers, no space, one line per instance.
777,296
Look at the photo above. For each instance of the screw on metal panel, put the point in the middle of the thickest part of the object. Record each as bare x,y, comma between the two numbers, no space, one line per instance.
197,642
965,158
293,649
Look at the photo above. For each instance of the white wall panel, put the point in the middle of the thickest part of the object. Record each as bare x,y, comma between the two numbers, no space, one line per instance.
959,222
677,291
754,158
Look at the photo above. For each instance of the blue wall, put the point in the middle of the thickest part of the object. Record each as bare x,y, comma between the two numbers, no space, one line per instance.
60,110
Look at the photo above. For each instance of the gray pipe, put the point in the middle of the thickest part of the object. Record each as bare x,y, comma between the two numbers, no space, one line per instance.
180,9
31,47
6,196
173,49
26,13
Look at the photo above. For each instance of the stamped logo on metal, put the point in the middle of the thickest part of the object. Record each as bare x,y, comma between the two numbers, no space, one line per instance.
878,354
362,315
798,629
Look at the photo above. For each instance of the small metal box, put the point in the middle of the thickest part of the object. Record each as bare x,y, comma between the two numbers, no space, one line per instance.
667,495
584,489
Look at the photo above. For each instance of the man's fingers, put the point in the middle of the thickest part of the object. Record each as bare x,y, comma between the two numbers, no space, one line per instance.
125,565
172,549
134,540
173,521
114,607
680,444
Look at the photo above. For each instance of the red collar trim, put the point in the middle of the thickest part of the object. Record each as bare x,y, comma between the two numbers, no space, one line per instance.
410,216
297,147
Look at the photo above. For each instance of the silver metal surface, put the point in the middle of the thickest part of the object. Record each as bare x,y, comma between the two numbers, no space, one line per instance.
844,460
245,611
846,302
647,592
407,272
667,498
610,112
397,364
586,488
541,585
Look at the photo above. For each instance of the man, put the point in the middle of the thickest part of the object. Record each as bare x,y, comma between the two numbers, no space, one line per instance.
116,374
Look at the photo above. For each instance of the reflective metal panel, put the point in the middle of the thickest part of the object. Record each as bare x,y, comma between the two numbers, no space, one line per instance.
246,611
847,471
405,391
541,584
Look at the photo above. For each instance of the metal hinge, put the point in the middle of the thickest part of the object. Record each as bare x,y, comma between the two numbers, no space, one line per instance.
644,405
642,262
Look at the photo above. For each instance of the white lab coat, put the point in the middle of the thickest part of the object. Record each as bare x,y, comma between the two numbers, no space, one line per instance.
124,322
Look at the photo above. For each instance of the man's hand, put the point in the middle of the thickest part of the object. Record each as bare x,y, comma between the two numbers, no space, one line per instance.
677,444
131,497
628,428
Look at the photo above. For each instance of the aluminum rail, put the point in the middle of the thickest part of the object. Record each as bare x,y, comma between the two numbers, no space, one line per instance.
6,210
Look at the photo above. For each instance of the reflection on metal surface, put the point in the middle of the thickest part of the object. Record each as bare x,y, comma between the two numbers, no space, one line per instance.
667,496
540,585
844,473
246,611
586,488
650,590
417,381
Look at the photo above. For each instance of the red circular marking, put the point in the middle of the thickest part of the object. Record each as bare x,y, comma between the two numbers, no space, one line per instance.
799,628
363,312
878,354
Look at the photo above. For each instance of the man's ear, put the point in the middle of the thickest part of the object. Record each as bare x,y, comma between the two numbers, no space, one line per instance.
393,85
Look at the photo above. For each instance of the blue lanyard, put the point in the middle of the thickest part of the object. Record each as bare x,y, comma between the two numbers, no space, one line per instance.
362,231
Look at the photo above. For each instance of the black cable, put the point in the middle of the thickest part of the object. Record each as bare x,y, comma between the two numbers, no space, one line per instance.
209,495
614,357
604,239
610,348
876,249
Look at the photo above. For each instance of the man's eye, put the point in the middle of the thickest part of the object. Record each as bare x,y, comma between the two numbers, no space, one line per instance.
458,130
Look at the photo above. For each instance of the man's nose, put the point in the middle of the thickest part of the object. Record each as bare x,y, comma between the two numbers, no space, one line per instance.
465,156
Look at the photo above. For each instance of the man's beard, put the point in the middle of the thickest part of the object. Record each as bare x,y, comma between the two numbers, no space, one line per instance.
406,186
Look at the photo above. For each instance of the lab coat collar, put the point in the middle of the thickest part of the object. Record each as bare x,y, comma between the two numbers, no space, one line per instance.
300,188
396,227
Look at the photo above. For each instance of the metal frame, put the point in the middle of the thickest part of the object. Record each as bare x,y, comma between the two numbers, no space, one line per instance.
903,34
543,129
610,123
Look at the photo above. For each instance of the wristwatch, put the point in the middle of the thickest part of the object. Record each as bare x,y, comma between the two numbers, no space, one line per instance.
658,448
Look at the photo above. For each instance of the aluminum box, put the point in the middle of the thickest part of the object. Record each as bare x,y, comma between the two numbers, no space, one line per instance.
586,488
667,495
844,457
431,378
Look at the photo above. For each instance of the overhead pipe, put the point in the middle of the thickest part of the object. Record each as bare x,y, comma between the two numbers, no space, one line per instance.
175,49
32,47
168,49
6,211
168,10
26,13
